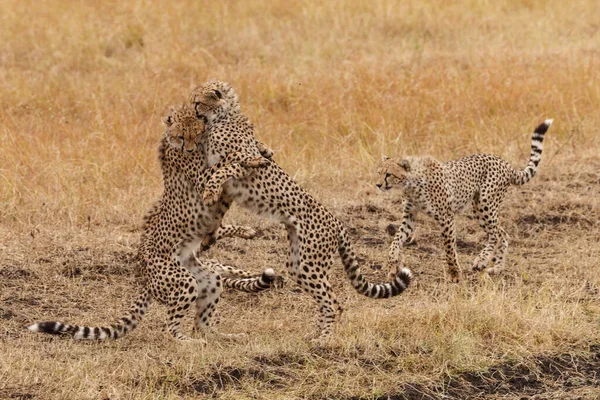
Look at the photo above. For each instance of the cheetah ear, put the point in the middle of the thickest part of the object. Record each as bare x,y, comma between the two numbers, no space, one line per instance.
168,120
384,158
405,164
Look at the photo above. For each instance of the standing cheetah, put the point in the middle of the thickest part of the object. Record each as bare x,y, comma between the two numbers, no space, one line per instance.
314,234
443,189
172,230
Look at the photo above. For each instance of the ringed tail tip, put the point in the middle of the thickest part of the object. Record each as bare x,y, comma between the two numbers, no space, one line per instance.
269,272
543,127
268,275
34,328
405,275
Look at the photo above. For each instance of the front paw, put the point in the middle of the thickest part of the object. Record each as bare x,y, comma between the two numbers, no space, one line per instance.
211,196
207,243
245,232
479,264
255,162
266,152
393,271
394,264
454,275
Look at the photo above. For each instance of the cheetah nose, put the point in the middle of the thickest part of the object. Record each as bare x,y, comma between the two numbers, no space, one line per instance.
379,185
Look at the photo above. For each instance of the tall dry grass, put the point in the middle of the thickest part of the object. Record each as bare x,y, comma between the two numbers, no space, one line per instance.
330,86
84,86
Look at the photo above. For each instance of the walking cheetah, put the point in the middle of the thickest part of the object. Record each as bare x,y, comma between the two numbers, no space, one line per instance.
314,234
443,189
173,229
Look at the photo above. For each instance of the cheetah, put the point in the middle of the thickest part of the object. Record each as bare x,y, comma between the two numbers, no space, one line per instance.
314,234
442,190
172,230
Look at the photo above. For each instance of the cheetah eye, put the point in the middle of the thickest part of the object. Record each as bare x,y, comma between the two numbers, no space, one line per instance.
180,137
219,95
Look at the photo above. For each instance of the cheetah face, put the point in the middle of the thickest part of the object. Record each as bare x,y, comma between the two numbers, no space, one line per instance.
183,129
207,97
392,173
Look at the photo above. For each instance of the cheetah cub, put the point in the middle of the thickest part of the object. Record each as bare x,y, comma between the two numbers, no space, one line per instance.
441,190
315,236
173,229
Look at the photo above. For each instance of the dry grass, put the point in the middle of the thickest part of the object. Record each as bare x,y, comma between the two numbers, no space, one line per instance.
330,86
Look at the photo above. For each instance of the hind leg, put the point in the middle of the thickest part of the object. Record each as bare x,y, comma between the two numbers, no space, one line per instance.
404,233
329,309
486,209
310,272
449,236
210,287
499,254
313,279
182,294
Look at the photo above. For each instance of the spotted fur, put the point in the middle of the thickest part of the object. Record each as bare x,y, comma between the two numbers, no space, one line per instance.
314,234
173,229
443,189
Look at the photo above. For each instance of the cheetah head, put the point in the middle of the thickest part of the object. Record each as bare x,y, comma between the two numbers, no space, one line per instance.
392,173
183,129
214,99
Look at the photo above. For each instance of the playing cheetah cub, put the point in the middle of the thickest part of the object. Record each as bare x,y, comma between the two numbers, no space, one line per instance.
314,234
443,189
173,229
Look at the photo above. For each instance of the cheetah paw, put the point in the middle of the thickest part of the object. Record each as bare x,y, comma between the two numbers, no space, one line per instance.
454,276
235,337
479,265
245,232
188,340
394,265
207,243
211,196
256,162
495,271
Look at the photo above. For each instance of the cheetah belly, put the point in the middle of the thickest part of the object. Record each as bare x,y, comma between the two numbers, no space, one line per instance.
240,193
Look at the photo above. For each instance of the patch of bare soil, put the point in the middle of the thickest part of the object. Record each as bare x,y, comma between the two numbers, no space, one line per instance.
555,376
558,376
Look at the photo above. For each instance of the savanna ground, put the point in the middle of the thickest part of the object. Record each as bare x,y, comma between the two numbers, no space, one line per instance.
330,86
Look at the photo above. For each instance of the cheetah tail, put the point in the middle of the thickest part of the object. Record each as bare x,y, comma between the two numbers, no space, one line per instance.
524,176
362,286
251,285
115,331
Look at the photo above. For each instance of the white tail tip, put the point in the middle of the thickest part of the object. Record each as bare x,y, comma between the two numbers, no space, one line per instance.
269,272
34,328
407,272
548,121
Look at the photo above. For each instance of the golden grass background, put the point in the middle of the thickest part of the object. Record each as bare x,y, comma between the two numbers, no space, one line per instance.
330,86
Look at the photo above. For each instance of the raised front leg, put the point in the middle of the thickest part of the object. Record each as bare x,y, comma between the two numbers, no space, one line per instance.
233,167
264,150
449,236
404,233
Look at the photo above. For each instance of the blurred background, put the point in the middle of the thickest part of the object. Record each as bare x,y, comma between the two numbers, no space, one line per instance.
331,86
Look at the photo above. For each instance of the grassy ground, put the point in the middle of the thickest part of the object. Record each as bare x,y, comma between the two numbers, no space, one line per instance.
330,86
